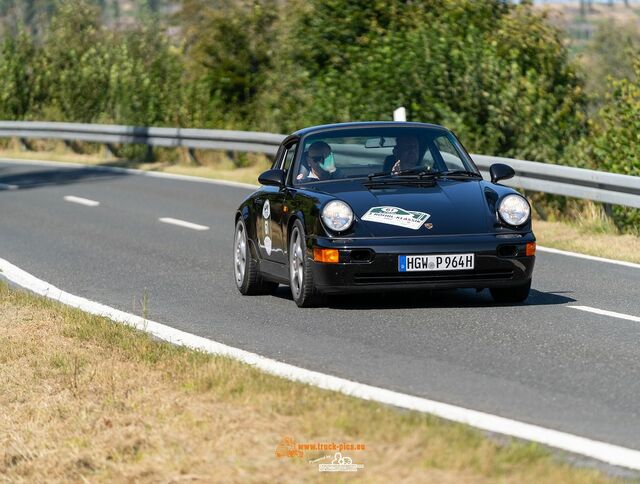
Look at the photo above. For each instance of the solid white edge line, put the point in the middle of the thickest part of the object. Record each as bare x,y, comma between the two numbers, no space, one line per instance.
604,312
159,174
81,201
8,186
612,454
588,257
182,223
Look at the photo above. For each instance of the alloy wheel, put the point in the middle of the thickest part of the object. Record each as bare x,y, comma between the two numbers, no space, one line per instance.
240,254
296,264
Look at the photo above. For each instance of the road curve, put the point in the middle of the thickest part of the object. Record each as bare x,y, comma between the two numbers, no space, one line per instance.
101,235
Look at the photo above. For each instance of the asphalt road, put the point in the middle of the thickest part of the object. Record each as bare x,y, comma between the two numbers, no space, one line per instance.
542,362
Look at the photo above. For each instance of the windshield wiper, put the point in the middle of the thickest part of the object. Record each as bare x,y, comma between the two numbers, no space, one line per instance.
407,177
453,173
419,172
378,175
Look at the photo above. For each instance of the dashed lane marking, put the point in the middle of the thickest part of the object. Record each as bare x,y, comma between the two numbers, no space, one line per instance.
183,223
81,201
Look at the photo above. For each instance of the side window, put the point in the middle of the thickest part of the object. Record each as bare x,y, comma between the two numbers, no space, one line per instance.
449,154
427,160
288,157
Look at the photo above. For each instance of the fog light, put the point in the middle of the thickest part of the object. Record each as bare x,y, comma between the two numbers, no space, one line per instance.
531,249
330,256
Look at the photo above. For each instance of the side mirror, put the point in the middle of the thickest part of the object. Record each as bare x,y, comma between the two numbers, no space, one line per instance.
500,171
272,177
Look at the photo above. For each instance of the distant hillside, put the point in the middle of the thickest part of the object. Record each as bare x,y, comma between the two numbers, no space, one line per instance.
34,15
581,19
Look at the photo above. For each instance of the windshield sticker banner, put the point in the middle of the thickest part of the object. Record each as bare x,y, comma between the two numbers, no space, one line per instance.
396,216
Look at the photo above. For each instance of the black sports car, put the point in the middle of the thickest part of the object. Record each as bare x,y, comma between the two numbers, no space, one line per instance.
378,206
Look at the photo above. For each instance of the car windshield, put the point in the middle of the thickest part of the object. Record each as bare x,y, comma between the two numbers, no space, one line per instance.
380,152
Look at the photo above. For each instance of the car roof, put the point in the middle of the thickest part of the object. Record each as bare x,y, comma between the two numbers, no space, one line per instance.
365,124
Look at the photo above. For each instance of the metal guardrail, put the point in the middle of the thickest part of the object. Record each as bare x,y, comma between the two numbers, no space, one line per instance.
599,186
213,139
609,188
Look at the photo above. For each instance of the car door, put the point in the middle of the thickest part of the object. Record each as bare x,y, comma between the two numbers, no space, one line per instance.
270,212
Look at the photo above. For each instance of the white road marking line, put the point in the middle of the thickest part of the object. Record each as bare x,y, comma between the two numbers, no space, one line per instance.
183,223
613,454
603,312
81,201
588,257
6,186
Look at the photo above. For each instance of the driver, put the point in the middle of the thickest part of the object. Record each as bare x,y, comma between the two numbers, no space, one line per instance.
319,158
406,155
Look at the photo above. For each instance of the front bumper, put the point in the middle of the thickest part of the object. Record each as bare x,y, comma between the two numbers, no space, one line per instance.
370,264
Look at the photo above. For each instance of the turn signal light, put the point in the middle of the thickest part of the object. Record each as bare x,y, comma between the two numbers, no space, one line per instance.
330,256
531,249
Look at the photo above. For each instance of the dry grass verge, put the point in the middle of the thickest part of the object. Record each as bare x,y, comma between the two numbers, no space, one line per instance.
211,164
84,399
574,238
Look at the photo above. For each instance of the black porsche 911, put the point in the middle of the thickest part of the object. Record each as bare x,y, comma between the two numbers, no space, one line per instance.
377,206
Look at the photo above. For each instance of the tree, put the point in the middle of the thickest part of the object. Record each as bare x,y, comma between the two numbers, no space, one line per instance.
613,140
77,62
19,77
230,48
145,79
496,73
609,54
31,16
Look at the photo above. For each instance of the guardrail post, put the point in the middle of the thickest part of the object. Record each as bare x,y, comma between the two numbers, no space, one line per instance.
72,146
537,206
111,150
192,156
149,155
24,144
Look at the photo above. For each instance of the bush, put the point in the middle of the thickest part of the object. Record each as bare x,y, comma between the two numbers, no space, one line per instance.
612,144
609,55
83,72
19,78
77,60
145,80
230,50
497,74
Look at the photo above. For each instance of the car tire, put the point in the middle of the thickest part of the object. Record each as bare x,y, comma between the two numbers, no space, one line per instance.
514,294
300,273
248,279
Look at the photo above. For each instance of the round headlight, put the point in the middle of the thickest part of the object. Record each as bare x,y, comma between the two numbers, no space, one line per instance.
514,210
337,215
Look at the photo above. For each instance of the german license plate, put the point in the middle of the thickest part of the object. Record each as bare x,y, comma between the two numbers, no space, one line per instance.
439,262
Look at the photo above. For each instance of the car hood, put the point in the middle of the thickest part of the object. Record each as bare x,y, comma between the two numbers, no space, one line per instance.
452,207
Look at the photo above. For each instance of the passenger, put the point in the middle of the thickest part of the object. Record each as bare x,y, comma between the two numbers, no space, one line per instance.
406,155
319,158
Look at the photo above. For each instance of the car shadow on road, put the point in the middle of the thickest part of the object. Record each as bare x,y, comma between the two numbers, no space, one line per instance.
460,298
58,176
